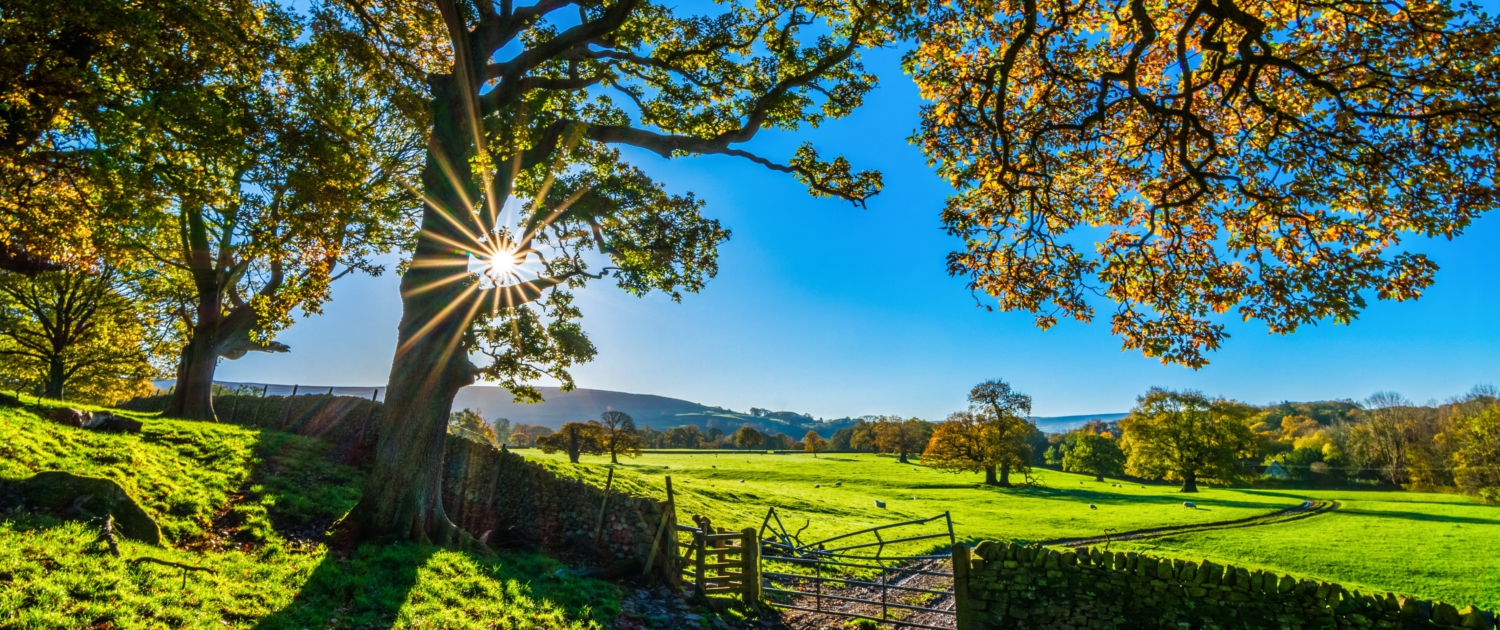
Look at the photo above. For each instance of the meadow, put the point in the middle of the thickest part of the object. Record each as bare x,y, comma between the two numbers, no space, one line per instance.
1437,546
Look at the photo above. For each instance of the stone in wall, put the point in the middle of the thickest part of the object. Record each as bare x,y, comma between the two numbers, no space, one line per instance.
1033,588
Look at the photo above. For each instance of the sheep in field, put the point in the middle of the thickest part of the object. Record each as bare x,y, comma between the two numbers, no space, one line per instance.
1190,505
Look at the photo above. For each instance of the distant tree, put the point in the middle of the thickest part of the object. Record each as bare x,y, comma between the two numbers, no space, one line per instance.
1186,436
1383,438
502,429
526,434
620,437
1009,413
1475,437
903,437
469,424
840,440
1055,453
650,438
864,437
686,436
747,437
965,442
814,443
1095,454
78,335
759,413
575,438
780,442
713,434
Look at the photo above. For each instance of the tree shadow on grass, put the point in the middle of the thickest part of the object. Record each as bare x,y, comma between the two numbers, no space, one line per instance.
385,586
365,590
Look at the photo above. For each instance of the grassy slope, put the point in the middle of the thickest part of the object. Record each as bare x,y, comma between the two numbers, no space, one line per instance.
1431,545
55,575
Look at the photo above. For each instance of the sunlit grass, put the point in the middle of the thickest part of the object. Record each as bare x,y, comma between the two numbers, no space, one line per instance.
1425,544
188,475
1436,546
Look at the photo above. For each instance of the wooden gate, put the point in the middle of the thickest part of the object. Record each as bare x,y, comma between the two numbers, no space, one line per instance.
718,561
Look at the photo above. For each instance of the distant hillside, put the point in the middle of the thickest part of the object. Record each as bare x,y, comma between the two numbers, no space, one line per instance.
658,412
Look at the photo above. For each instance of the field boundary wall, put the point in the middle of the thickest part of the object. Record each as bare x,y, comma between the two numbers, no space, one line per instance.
1016,587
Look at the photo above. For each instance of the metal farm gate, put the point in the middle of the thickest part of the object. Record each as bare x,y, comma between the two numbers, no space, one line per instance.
852,575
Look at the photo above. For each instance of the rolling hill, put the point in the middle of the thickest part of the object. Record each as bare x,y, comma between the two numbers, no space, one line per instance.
657,412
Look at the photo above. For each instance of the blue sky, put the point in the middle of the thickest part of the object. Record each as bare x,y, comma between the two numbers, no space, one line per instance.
823,308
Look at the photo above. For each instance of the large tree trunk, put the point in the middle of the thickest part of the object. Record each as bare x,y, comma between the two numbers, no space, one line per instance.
1005,476
57,374
989,476
1190,482
402,497
903,458
193,394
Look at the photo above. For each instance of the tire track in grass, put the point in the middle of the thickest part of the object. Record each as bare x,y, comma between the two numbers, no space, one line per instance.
1309,508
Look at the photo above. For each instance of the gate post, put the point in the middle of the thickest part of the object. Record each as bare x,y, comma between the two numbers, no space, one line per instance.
750,573
963,617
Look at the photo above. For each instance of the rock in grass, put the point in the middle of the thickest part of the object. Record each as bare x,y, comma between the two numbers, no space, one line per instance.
70,495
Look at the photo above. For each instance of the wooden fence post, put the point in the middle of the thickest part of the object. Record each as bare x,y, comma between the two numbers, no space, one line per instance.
963,616
603,505
750,573
700,545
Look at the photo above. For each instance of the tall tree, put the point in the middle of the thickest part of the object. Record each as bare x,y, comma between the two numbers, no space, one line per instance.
814,443
65,71
620,437
78,335
1187,436
1009,414
966,442
902,437
269,180
1475,436
1262,158
1095,454
525,108
574,438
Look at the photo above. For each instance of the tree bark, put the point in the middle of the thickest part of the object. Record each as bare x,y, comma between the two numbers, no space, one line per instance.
56,375
1005,476
989,476
402,497
1190,482
1098,477
903,458
193,394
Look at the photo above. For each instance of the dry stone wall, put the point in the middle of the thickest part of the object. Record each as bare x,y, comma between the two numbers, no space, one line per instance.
489,492
497,492
345,421
1005,585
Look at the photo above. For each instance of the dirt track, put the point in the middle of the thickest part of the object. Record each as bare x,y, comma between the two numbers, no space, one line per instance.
1308,509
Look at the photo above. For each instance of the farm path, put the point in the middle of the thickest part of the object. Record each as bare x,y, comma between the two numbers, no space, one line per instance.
938,614
1308,509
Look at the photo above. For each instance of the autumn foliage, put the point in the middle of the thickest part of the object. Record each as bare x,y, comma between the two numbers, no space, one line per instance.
1265,159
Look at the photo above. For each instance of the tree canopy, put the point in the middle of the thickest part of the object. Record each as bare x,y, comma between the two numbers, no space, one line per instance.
1187,436
1266,159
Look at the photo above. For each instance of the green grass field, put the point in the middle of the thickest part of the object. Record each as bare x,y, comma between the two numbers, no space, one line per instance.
1430,545
1437,546
253,486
